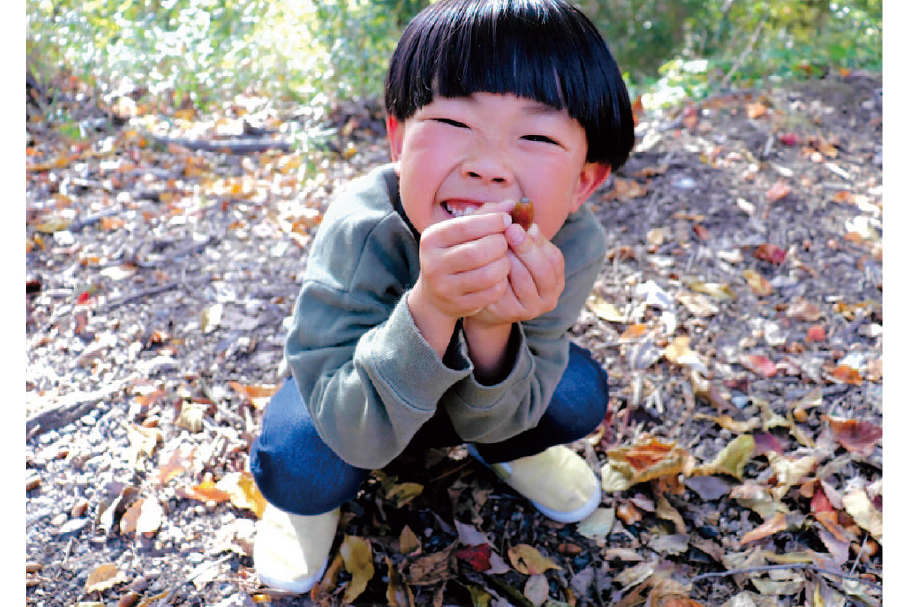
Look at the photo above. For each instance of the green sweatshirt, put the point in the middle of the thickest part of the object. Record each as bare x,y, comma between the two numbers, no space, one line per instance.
365,372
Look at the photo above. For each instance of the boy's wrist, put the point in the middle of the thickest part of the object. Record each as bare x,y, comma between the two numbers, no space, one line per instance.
488,348
435,326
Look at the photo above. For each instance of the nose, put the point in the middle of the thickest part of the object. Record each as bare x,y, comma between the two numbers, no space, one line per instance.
490,166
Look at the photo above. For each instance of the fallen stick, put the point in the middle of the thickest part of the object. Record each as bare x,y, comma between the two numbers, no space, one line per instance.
809,566
229,146
72,408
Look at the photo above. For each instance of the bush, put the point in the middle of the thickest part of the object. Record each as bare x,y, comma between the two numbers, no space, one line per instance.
322,52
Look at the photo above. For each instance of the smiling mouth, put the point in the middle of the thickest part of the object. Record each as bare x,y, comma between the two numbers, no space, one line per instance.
459,208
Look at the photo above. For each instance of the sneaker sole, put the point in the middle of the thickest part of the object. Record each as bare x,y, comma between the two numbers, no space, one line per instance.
296,586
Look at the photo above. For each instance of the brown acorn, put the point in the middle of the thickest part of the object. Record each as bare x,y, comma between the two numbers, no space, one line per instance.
522,213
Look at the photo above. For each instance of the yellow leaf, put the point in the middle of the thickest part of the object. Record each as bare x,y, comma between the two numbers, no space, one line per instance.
243,492
103,577
863,512
403,493
647,459
527,560
604,309
357,555
760,286
732,459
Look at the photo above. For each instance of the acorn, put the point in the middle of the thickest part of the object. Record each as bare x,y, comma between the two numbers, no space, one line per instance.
522,213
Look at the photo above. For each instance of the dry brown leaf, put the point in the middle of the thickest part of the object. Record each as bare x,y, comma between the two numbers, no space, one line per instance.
776,524
855,435
103,577
243,492
778,191
760,286
430,569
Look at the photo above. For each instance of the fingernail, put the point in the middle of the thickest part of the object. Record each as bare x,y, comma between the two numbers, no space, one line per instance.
508,219
534,231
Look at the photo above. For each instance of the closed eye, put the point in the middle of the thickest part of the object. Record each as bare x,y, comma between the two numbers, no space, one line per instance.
450,122
541,139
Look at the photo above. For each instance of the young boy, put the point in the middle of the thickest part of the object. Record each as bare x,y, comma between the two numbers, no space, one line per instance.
427,317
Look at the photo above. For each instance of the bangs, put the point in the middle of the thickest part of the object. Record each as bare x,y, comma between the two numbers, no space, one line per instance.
544,50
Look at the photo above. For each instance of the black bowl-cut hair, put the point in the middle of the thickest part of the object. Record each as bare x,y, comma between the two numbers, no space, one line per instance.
545,50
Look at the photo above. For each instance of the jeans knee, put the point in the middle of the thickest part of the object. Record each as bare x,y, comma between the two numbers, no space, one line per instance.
302,487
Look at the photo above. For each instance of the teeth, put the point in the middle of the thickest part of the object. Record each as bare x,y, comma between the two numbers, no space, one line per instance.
459,212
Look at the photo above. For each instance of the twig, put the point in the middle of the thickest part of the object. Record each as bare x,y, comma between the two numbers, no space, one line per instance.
809,566
170,286
229,146
738,62
196,574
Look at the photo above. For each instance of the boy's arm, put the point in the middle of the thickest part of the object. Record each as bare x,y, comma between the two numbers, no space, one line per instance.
538,349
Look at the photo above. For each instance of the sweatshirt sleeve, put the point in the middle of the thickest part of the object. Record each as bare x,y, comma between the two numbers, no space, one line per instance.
488,414
365,372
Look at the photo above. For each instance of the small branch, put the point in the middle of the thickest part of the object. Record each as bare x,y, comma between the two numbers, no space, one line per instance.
747,51
156,290
808,566
229,146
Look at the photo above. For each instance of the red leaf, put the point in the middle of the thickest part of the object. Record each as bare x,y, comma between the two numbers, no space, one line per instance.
820,503
765,442
476,556
816,333
856,436
790,139
778,191
758,364
771,253
84,296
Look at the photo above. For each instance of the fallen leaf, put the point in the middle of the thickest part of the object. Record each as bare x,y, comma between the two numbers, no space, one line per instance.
770,253
476,556
258,395
646,459
756,496
816,333
598,525
854,435
778,191
357,555
103,577
760,286
633,333
628,513
431,568
402,494
803,310
732,459
206,491
759,364
243,492
848,375
604,309
776,524
178,463
527,560
756,109
626,188
408,542
537,589
666,511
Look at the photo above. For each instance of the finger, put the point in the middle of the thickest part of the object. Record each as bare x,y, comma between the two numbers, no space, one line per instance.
522,281
467,228
473,254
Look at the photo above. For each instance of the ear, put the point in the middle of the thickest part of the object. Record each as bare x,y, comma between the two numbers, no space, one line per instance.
592,177
395,130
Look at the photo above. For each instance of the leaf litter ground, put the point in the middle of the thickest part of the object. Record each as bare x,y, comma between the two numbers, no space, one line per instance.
739,315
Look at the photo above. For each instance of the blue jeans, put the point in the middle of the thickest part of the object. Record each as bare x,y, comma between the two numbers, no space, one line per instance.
296,471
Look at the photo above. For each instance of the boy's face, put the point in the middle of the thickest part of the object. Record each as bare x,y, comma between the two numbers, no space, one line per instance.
456,154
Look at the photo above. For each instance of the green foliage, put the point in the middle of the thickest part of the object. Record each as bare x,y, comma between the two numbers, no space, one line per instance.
319,52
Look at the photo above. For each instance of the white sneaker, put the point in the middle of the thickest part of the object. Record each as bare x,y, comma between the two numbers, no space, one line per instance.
291,551
558,482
